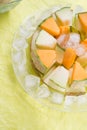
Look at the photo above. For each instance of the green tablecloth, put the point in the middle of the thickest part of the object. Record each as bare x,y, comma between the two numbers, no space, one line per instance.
18,111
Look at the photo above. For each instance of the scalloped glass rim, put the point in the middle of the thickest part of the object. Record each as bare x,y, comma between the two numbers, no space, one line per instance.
23,71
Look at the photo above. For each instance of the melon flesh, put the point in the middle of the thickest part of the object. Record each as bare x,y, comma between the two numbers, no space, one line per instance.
79,72
83,60
83,20
51,83
65,16
51,27
47,57
45,40
60,76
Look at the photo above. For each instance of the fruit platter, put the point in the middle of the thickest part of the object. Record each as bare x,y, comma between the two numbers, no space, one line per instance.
49,57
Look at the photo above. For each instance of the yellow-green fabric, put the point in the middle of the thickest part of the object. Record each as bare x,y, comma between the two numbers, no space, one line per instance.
18,111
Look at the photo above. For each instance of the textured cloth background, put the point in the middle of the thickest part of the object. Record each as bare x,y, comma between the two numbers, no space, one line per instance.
18,111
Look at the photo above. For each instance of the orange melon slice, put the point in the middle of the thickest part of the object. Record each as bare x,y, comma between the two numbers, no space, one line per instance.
79,72
64,29
83,20
69,57
51,27
84,42
47,57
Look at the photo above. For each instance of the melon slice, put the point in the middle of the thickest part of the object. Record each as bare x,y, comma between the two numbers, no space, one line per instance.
59,55
33,51
50,83
65,16
84,43
60,76
83,20
77,88
79,72
83,60
45,40
51,26
69,57
65,29
77,24
47,57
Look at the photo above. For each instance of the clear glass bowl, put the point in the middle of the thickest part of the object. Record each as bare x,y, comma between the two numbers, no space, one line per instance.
4,7
26,74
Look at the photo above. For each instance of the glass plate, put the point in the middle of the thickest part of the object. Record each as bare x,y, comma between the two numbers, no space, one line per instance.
28,77
4,7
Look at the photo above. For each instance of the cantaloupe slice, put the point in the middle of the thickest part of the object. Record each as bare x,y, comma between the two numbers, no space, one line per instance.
82,60
51,27
45,40
59,55
79,72
83,20
46,79
60,76
76,88
69,57
64,16
64,29
84,42
47,57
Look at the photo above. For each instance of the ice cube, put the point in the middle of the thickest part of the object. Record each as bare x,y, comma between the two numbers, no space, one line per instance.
73,41
19,57
80,50
29,26
74,38
61,39
22,69
43,91
31,82
31,22
82,99
69,100
20,44
57,97
25,33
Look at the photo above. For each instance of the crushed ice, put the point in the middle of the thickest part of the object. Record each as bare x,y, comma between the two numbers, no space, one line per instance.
69,100
82,99
31,82
19,57
19,44
57,98
43,91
